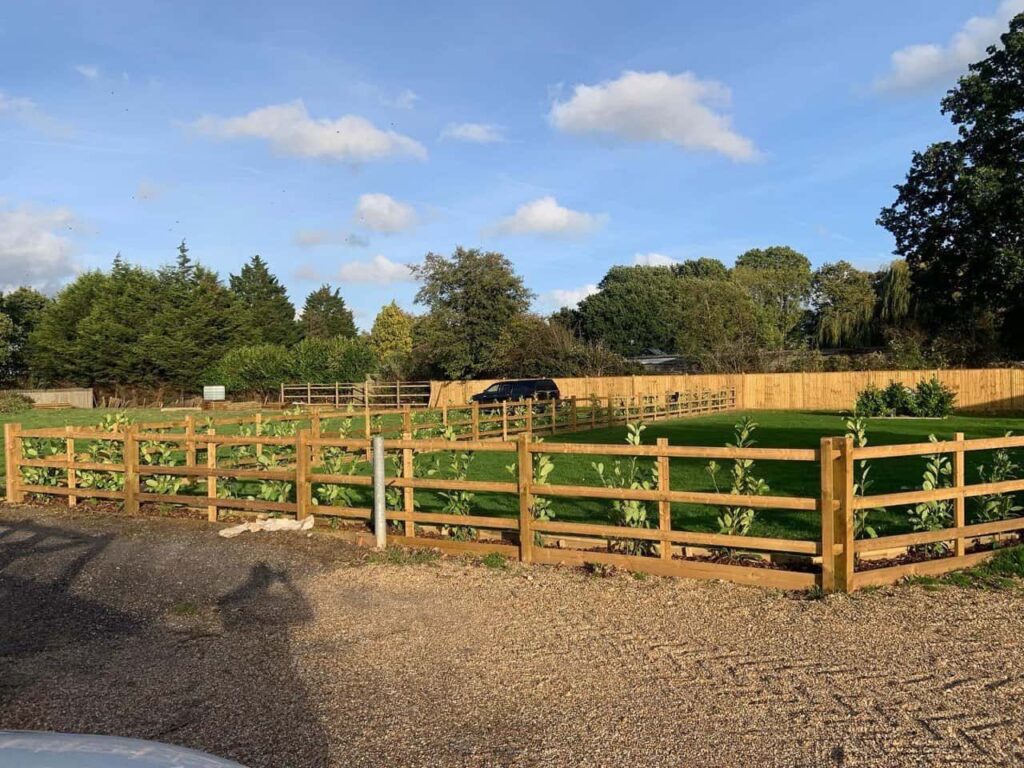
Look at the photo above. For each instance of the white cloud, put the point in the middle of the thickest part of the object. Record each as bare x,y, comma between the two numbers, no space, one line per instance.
922,65
653,260
477,133
565,297
545,216
88,71
292,131
26,113
382,213
310,238
405,100
655,106
379,270
35,249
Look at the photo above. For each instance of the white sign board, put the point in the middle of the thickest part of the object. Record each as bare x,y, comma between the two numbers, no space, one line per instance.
213,393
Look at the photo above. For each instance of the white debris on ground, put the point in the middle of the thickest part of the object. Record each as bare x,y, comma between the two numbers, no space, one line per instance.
269,524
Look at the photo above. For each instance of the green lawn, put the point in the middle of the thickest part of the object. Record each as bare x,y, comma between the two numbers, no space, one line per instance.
777,429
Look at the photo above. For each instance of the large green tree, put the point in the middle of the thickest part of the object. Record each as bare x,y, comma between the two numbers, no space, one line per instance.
778,279
24,307
532,346
636,309
843,302
391,340
703,268
53,346
958,219
471,296
263,302
325,315
720,326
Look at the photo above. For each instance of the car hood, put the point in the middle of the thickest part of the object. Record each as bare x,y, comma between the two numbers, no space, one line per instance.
35,749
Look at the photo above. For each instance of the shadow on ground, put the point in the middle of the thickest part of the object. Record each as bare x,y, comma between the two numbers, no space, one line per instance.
191,647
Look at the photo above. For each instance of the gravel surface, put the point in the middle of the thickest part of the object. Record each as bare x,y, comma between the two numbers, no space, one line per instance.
293,650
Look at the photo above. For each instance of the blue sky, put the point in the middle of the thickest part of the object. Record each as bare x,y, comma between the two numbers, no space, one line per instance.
344,140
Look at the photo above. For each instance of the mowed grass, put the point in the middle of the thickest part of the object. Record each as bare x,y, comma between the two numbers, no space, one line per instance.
776,429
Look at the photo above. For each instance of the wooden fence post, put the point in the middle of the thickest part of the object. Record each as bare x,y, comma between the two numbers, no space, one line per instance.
303,487
826,509
258,431
130,453
594,403
407,420
525,481
504,420
959,503
842,477
69,453
574,414
366,417
211,479
282,393
444,414
12,454
314,426
475,417
337,395
664,506
309,393
529,416
408,500
554,416
190,440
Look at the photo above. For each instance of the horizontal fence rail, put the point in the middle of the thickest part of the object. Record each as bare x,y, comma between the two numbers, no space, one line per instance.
312,472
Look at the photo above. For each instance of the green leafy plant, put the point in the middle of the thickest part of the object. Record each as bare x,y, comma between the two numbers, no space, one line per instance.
336,461
631,475
933,399
15,402
458,502
42,448
543,466
857,428
870,402
998,506
737,521
934,515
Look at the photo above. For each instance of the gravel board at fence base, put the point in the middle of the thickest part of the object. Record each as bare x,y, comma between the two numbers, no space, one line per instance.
302,652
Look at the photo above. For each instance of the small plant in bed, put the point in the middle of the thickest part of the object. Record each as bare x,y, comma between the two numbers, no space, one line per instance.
930,399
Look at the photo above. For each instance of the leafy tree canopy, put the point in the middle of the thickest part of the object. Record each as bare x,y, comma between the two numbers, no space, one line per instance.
471,297
325,315
958,219
268,313
844,305
779,281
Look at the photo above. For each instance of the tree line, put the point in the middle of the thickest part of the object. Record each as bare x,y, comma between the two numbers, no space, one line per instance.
955,296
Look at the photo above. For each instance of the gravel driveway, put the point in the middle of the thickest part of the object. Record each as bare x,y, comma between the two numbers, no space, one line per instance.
290,650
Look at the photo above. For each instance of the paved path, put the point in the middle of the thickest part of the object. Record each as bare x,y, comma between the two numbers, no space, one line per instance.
294,651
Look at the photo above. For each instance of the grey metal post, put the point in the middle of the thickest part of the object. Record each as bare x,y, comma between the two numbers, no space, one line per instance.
380,528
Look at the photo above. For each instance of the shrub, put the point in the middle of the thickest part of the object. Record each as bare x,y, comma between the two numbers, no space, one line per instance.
934,399
330,360
257,369
899,400
870,402
14,402
930,398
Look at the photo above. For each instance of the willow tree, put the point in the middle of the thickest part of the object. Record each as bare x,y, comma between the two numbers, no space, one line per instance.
843,302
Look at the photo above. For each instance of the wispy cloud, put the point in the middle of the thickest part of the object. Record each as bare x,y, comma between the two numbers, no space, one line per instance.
680,109
88,71
379,270
382,213
311,238
475,133
25,112
545,216
291,130
923,65
36,248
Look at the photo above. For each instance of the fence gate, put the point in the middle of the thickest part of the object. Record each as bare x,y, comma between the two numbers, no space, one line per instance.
362,394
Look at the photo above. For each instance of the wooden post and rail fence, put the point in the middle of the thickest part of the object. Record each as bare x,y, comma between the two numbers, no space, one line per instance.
834,560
